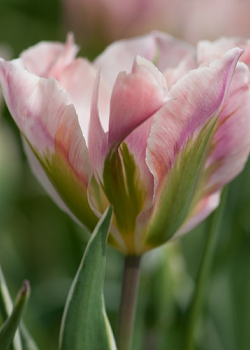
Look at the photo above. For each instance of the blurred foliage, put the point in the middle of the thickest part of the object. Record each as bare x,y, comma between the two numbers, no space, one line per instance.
25,22
40,243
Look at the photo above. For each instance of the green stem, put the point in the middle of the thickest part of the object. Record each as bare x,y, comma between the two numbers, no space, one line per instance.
128,302
204,273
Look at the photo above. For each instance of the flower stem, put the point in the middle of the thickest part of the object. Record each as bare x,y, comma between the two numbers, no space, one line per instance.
128,302
204,273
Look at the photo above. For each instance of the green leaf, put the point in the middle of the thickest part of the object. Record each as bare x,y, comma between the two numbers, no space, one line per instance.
9,328
5,310
181,188
27,341
85,325
22,339
201,289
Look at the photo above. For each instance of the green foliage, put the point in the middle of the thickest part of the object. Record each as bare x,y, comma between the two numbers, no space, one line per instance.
39,242
18,17
27,341
85,324
11,321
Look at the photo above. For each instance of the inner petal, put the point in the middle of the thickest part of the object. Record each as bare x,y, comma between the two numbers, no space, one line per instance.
78,79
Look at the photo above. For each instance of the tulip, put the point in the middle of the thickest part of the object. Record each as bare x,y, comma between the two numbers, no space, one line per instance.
152,126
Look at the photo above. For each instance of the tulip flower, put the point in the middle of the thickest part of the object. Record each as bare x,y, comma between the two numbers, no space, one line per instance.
152,126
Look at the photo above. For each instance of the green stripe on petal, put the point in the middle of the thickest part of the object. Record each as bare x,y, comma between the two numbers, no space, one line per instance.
125,191
174,199
68,185
70,189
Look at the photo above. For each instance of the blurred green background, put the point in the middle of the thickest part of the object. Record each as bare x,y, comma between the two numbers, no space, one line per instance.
40,243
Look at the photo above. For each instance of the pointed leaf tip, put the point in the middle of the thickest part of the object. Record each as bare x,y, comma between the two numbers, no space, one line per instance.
25,289
9,328
85,324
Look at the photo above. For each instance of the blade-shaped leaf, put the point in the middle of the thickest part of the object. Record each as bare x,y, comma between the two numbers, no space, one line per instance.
85,325
5,310
8,329
27,341
22,339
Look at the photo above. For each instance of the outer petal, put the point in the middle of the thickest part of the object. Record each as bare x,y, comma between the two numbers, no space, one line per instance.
48,59
229,147
164,50
41,175
192,103
135,98
178,139
50,126
208,51
202,210
77,76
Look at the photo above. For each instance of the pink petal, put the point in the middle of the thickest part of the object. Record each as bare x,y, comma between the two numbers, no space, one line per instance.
42,177
229,147
50,126
78,79
208,51
162,49
195,98
135,98
77,76
172,75
204,208
119,56
231,143
31,101
137,144
48,59
171,51
97,139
